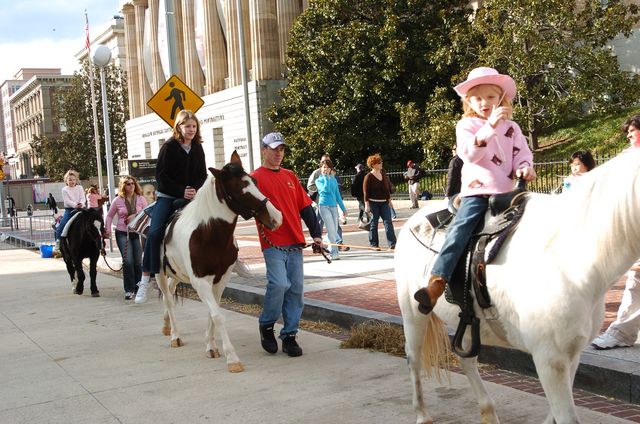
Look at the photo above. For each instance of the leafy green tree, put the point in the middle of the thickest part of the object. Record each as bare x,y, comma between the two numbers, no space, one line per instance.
355,66
75,146
557,52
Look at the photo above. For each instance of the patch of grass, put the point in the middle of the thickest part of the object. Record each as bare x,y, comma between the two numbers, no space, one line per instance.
598,133
376,336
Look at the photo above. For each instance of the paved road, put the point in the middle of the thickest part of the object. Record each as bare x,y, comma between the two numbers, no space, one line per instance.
75,359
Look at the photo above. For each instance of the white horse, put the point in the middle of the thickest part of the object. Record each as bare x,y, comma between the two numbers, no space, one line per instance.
547,284
199,248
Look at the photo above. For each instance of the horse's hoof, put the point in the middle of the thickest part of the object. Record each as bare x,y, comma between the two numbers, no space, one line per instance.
95,294
235,367
166,331
213,353
176,343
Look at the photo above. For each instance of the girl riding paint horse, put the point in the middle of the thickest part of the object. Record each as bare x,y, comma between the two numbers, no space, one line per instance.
547,283
199,248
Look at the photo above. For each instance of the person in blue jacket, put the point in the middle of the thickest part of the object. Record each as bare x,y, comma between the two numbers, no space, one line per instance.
329,199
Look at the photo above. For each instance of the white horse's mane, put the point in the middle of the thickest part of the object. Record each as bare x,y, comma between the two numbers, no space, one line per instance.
206,204
587,224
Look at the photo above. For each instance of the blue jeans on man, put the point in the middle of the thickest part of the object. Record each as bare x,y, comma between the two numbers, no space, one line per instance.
162,211
284,294
470,215
132,261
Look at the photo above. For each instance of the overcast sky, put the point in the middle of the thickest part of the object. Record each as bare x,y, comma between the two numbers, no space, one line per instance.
48,33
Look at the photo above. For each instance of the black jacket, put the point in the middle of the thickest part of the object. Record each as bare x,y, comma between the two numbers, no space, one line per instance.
175,169
356,185
454,177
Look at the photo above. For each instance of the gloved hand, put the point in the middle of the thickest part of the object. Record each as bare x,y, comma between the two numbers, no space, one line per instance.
317,246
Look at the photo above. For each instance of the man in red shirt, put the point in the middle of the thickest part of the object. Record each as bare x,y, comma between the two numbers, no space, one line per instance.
283,254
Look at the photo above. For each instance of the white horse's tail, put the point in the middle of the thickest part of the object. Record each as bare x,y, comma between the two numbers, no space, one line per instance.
436,350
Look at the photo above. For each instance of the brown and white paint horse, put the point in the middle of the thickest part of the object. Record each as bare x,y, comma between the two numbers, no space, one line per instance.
199,248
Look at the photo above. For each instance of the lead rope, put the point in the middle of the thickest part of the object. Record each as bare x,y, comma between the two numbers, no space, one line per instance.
124,254
292,249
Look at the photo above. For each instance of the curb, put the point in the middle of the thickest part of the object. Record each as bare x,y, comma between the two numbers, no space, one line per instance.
597,374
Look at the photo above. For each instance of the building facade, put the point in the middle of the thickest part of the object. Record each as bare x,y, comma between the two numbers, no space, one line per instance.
34,108
207,60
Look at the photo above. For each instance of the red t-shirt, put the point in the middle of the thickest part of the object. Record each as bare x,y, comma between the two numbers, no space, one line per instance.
284,190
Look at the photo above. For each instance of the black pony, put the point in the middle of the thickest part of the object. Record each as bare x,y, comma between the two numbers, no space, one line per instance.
83,240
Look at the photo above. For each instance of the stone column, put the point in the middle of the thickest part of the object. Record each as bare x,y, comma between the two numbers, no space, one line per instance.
193,72
156,66
177,10
288,11
133,79
233,51
264,40
215,58
145,89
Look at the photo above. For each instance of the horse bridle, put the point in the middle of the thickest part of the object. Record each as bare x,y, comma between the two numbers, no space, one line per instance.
244,212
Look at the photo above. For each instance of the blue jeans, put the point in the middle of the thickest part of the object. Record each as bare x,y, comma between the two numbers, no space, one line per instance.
381,210
470,215
161,213
329,215
321,223
132,263
285,291
68,213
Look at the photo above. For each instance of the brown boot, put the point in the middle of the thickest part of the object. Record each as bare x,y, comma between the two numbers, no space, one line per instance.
428,296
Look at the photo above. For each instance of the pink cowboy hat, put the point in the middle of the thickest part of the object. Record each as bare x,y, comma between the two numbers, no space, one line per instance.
484,75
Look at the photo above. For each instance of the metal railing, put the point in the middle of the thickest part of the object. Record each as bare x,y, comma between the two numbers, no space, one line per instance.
26,232
550,176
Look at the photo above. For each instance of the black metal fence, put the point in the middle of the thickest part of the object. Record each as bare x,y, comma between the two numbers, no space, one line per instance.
550,176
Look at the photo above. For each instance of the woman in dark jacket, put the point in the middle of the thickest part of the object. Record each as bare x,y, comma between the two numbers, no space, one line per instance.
180,172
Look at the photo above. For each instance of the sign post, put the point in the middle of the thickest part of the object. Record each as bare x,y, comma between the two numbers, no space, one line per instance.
173,97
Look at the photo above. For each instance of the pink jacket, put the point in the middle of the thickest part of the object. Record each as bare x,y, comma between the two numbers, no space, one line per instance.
489,169
120,208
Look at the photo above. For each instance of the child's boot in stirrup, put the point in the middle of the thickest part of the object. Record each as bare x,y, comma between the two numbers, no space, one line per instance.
428,296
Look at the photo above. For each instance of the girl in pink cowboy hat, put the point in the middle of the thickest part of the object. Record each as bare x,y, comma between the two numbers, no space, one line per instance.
493,150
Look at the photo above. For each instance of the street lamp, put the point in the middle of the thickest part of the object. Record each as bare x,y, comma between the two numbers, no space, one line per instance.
101,58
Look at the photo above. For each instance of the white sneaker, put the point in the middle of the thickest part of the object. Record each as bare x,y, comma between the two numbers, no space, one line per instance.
607,341
141,296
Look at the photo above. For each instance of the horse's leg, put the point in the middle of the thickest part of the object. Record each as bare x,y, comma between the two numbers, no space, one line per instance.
77,263
211,348
93,272
556,377
485,402
205,292
414,332
167,298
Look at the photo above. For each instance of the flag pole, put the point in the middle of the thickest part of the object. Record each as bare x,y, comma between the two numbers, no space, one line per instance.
96,133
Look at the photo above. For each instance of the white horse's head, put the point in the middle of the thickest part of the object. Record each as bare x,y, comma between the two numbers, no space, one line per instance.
239,192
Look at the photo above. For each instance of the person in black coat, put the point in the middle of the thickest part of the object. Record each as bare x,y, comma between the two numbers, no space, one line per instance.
454,176
52,204
180,171
356,188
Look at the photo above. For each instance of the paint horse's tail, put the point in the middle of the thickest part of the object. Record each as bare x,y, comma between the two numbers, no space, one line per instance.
436,349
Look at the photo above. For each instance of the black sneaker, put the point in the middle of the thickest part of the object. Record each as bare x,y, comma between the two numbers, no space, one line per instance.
290,346
268,339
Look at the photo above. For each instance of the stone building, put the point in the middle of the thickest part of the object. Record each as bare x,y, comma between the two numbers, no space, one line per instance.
208,61
33,108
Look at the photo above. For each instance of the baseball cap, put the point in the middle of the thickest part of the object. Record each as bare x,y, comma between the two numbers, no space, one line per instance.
359,167
272,140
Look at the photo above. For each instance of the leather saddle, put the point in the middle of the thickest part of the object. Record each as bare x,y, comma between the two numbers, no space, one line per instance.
470,274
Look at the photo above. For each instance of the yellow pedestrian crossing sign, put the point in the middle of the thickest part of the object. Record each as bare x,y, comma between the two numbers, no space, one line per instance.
173,97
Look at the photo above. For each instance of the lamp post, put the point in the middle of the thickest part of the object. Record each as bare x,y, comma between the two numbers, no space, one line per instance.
101,58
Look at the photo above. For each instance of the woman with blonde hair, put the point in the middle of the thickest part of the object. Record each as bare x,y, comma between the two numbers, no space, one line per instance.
180,171
126,206
73,198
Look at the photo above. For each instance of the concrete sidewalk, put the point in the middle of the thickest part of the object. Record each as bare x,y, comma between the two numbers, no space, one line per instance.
75,359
